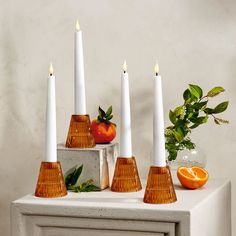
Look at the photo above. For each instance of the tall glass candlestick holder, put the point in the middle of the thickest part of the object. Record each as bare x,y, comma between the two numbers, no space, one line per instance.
79,134
126,176
50,181
160,188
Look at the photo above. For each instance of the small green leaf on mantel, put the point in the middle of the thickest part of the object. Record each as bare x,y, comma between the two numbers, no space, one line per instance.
76,175
72,181
69,174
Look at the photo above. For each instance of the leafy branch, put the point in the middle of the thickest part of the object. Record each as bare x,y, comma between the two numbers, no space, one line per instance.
73,184
193,113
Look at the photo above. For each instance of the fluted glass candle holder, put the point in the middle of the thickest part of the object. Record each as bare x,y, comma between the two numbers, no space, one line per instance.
79,134
50,181
126,176
160,188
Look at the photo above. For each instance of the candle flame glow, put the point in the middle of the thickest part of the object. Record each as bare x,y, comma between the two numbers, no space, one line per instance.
77,26
50,69
125,66
156,68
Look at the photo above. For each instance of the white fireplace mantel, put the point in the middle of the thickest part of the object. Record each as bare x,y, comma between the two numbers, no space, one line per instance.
205,212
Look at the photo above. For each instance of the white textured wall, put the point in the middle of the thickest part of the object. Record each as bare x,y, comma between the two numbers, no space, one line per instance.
194,41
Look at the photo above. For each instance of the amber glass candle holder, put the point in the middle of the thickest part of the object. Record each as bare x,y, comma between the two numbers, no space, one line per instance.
126,177
50,181
79,134
160,188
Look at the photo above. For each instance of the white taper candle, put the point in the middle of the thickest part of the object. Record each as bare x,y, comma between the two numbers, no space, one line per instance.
51,135
79,86
125,123
158,123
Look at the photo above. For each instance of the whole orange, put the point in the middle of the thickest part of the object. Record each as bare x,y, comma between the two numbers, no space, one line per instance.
103,130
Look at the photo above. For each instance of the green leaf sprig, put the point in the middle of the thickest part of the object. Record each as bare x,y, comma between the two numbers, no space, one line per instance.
193,113
73,184
105,117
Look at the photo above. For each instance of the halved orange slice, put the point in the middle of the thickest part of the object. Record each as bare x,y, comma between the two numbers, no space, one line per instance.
192,177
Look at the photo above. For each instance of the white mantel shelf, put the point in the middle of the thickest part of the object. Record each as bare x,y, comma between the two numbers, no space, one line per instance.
202,212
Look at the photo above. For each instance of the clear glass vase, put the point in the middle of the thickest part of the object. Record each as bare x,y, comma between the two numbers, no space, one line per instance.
189,158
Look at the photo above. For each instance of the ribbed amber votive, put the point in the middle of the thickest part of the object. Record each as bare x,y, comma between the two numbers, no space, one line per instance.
79,134
126,176
160,188
50,181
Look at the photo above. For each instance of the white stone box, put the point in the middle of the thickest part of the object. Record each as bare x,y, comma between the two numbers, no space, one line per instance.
98,162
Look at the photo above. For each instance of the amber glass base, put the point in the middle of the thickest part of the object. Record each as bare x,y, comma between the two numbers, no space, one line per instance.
79,134
126,177
50,181
160,188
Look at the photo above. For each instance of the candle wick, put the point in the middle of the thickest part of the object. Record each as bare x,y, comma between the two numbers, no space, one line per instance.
124,71
156,74
50,74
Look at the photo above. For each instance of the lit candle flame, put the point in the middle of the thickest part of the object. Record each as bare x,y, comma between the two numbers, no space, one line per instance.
156,68
77,26
125,66
50,69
